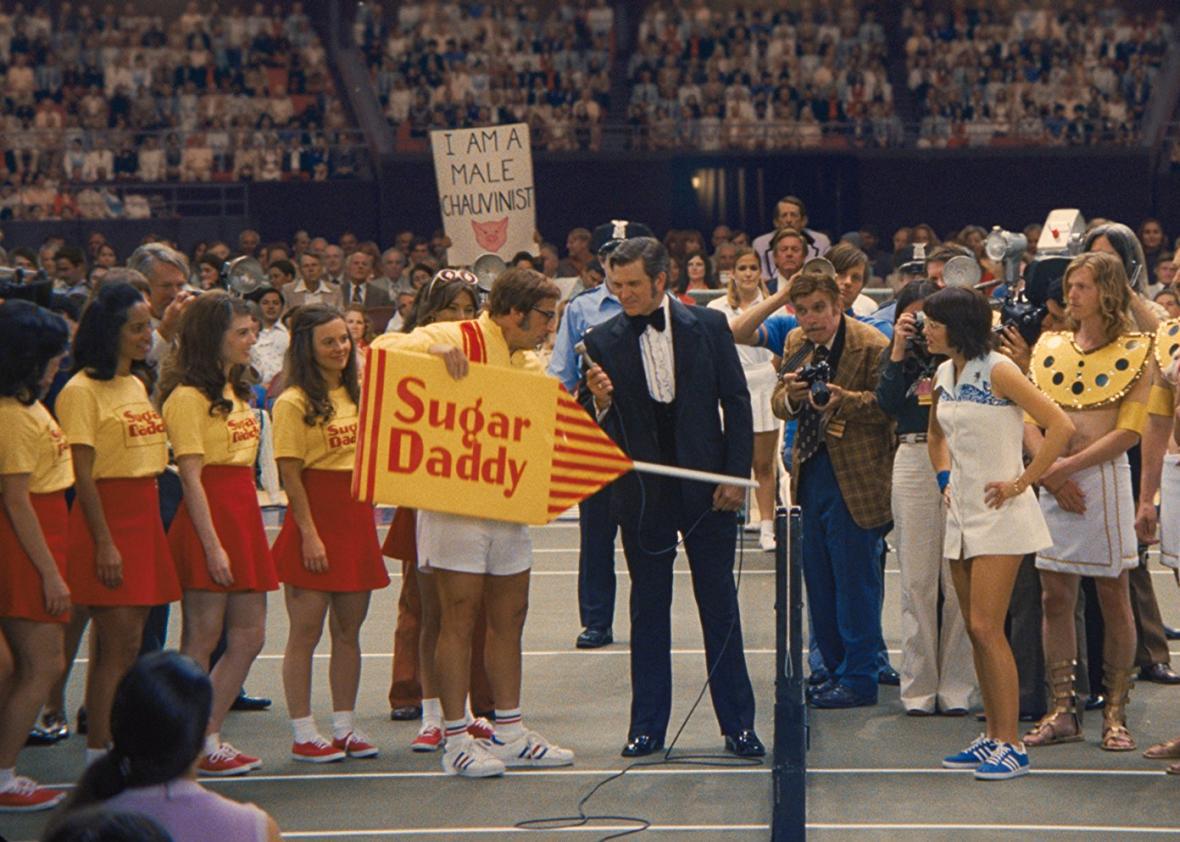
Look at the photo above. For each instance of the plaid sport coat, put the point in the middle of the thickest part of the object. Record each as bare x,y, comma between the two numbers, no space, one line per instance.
858,434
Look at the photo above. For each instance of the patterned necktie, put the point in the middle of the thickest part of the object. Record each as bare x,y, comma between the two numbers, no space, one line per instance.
810,434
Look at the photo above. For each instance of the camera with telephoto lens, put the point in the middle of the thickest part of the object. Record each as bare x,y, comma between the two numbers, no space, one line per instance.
27,284
817,375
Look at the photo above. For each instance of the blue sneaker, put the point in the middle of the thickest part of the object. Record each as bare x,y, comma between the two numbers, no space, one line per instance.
973,755
1006,761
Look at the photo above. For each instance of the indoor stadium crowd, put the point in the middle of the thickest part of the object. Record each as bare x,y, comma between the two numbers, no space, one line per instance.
168,395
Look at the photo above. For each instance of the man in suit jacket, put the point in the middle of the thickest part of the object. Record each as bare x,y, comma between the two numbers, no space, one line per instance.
843,458
358,289
661,371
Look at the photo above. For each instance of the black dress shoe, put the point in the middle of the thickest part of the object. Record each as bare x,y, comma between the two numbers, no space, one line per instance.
1171,633
642,745
888,675
594,638
820,676
405,713
1095,701
38,736
745,744
83,726
842,696
245,702
1159,674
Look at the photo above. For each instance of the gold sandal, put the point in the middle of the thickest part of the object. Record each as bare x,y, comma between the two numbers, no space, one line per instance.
1052,729
1115,736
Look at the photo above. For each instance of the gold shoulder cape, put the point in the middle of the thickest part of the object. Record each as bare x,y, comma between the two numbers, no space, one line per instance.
1075,379
1167,342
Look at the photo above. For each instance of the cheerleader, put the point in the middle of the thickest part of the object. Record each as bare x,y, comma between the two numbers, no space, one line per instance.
327,554
118,560
35,470
217,538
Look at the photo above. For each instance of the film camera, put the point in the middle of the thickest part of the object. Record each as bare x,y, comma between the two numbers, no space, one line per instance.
916,344
1062,238
817,375
28,284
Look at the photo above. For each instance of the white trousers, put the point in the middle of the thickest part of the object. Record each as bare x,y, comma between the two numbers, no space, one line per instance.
936,664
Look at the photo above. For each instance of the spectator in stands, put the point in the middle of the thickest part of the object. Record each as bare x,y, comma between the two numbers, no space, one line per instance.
1169,300
281,273
393,268
273,338
1154,242
577,245
209,272
71,272
788,250
789,212
358,289
312,287
697,274
158,725
360,328
248,241
106,256
334,265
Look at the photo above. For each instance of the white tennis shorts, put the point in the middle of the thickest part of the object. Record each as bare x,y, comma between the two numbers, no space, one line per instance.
472,545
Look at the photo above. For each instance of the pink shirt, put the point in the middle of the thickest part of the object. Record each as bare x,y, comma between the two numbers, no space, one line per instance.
192,813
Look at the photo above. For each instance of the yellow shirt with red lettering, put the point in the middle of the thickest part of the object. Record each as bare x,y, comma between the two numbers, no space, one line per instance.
489,342
115,418
34,444
219,439
329,445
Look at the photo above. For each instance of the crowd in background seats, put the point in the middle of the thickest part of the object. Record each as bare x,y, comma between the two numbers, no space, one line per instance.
458,65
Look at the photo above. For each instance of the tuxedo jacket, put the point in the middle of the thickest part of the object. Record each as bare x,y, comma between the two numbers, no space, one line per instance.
859,435
708,378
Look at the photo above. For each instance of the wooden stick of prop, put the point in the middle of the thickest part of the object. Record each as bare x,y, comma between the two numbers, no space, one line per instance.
688,473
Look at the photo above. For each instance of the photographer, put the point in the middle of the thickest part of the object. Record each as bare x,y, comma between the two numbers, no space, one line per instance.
936,670
843,457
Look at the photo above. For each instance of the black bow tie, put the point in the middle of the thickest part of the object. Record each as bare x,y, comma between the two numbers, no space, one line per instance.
655,318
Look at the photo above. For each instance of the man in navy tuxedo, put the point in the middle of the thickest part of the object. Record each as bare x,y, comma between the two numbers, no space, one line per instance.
660,373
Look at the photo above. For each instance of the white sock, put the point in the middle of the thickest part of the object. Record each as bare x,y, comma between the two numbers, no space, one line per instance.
93,754
768,526
7,776
508,724
432,712
343,723
304,728
212,743
456,729
467,709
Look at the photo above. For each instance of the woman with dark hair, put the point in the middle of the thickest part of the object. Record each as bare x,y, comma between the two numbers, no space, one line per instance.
327,554
35,470
158,726
447,298
1154,242
119,561
1087,499
697,274
992,519
208,272
360,329
217,538
936,673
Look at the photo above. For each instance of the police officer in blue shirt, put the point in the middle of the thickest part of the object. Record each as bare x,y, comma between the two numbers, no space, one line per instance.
596,559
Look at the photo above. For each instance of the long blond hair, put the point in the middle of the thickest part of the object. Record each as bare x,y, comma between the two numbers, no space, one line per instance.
731,291
1114,293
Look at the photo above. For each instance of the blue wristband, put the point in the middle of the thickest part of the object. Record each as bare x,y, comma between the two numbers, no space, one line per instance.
944,479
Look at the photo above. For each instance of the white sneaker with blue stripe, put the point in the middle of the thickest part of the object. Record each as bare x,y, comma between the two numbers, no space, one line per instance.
468,758
973,755
1006,761
529,749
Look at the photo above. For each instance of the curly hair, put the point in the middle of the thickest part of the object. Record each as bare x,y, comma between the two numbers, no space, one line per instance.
300,365
197,360
1114,293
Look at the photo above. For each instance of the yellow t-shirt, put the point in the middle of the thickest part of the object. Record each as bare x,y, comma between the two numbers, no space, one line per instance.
494,346
116,418
220,439
33,444
326,446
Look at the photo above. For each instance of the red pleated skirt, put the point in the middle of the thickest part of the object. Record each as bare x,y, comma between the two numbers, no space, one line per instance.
132,510
401,541
349,534
237,520
21,593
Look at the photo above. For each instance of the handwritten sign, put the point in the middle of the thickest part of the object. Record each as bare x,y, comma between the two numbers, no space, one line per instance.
499,444
485,191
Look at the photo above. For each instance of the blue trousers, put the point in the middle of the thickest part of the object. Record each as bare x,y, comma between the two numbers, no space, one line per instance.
155,628
596,561
842,570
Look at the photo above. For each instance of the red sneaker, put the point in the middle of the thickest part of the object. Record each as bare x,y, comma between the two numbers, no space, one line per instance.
318,750
253,762
23,795
481,729
226,762
356,744
430,738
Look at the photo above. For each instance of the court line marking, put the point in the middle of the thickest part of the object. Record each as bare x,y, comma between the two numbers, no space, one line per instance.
480,831
1009,828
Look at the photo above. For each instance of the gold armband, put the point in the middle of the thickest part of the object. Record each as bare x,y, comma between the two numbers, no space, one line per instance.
1159,401
1132,416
